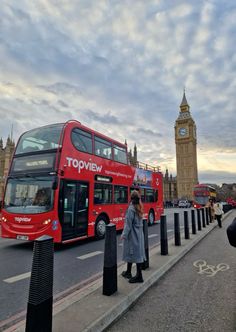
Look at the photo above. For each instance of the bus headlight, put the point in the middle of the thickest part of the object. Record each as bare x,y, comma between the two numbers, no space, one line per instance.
46,222
3,219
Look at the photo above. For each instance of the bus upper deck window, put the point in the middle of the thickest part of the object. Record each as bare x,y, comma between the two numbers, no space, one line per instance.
103,148
120,154
82,140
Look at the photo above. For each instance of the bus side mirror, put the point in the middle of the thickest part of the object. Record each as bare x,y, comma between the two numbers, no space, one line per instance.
55,184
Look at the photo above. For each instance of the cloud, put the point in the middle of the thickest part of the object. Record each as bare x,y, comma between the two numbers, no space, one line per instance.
106,118
122,71
217,177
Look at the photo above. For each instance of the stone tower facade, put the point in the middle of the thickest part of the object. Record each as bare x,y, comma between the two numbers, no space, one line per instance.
186,151
169,189
5,160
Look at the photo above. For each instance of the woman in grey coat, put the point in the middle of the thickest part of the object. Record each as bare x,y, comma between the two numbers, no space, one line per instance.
133,237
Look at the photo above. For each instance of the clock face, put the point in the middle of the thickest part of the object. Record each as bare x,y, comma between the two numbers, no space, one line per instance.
182,131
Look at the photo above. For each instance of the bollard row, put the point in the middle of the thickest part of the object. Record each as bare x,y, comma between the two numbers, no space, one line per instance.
198,222
110,252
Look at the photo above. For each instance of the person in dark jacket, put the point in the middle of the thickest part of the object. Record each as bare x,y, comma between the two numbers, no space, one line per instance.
231,233
133,237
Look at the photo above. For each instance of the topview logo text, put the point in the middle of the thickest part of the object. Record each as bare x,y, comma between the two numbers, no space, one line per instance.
82,164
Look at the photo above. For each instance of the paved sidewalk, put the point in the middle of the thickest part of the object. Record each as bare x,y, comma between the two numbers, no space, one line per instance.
197,295
88,310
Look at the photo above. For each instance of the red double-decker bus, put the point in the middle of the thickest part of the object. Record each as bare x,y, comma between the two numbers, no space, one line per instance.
69,182
202,193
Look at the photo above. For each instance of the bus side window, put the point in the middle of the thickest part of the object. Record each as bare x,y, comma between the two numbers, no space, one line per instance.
120,154
103,147
150,198
156,196
96,200
103,193
120,194
82,140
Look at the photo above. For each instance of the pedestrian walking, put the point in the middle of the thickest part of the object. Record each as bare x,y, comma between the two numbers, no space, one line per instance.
133,237
218,210
231,233
211,205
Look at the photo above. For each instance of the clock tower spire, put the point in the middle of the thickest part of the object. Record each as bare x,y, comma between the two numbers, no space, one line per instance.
186,151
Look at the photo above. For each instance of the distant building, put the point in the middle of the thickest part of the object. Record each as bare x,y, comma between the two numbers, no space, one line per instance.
133,156
170,188
5,159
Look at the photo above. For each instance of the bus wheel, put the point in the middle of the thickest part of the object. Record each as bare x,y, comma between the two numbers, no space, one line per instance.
151,218
100,227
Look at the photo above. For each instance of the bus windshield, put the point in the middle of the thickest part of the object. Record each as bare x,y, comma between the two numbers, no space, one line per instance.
40,139
202,200
29,195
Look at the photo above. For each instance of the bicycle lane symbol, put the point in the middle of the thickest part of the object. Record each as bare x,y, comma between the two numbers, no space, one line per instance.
209,270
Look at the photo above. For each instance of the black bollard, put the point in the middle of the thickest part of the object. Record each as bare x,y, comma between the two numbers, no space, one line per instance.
110,261
209,213
207,216
186,226
203,218
164,239
199,224
145,264
39,309
193,222
177,230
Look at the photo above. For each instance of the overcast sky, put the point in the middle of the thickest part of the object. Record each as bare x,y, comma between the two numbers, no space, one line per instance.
120,67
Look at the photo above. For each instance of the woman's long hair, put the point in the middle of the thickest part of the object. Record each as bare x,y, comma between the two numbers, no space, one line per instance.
136,201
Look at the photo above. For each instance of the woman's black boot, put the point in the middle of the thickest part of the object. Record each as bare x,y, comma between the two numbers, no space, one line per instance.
138,277
127,274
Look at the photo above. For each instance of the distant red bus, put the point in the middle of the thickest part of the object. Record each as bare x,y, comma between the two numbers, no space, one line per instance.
201,195
69,182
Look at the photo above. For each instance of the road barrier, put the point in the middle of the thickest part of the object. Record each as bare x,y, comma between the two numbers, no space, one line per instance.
207,215
177,229
164,239
193,222
186,226
145,264
110,261
199,224
39,309
203,218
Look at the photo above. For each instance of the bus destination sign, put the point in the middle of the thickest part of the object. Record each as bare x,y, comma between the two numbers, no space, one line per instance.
32,163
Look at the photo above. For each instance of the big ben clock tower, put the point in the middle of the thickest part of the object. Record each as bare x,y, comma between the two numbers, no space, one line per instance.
186,151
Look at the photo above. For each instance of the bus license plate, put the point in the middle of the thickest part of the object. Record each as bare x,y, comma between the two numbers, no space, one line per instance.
22,237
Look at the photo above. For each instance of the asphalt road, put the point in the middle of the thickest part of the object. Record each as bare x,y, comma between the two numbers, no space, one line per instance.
73,264
197,295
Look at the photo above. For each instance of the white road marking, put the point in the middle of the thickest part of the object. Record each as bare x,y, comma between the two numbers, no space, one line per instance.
210,270
17,278
91,254
152,235
170,230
